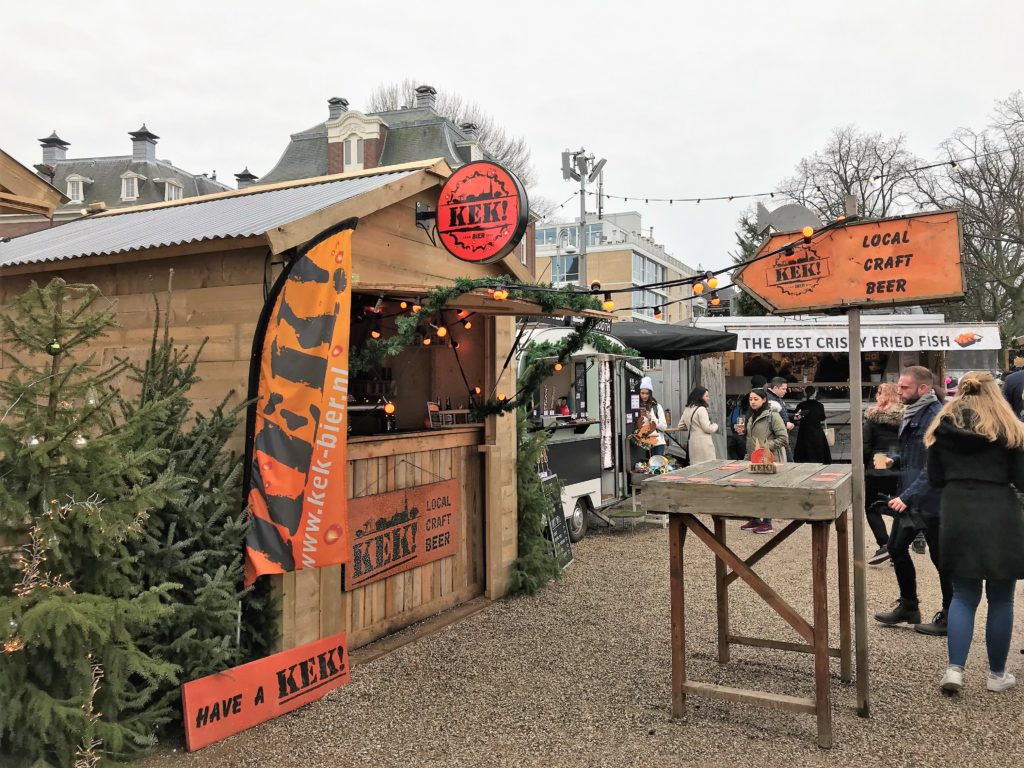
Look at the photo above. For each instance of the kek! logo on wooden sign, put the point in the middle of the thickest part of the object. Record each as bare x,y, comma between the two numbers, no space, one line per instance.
482,213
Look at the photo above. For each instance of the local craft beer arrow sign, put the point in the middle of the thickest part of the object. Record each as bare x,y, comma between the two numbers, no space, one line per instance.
904,260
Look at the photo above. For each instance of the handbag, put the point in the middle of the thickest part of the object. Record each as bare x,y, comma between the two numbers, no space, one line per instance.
830,436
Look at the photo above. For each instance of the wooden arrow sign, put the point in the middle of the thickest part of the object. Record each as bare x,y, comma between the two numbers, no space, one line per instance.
886,262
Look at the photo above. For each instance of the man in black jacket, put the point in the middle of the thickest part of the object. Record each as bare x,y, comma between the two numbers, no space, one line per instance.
917,505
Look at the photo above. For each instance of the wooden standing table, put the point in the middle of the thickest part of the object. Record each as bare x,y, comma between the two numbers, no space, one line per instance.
813,494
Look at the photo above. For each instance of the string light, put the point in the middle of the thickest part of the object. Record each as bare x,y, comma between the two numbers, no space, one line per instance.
477,390
608,305
657,313
389,408
404,305
467,324
558,366
502,397
808,233
416,308
797,194
712,282
375,333
426,341
595,285
698,288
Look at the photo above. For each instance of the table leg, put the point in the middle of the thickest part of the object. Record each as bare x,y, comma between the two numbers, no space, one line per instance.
722,595
843,552
676,541
822,685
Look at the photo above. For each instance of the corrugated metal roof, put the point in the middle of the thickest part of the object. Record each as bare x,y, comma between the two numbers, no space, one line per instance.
239,216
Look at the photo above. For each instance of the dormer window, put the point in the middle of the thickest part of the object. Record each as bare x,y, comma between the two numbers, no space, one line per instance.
353,154
76,187
130,186
173,190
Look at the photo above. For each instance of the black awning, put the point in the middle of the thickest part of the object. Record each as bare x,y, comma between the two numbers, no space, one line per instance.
671,342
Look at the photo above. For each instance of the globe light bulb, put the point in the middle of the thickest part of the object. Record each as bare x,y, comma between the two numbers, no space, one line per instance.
502,397
442,331
698,288
416,308
608,305
389,408
467,324
477,390
558,366
712,283
808,233
403,305
375,334
426,341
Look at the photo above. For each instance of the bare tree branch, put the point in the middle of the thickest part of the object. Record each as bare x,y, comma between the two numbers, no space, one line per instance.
507,150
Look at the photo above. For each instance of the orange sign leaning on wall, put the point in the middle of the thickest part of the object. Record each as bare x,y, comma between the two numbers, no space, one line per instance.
394,532
905,260
221,705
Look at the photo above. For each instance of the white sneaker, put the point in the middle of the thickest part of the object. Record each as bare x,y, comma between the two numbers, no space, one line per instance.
1003,682
953,680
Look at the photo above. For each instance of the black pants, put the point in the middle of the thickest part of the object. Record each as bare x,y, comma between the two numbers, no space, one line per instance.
875,484
900,539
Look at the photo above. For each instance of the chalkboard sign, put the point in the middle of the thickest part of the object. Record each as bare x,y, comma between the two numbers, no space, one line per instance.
555,529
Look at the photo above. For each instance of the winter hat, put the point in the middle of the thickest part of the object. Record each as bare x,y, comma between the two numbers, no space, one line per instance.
645,383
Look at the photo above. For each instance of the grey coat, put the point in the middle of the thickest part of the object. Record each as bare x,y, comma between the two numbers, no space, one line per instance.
767,429
981,535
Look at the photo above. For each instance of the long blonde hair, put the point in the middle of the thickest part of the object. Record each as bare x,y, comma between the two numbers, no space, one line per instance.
991,416
892,397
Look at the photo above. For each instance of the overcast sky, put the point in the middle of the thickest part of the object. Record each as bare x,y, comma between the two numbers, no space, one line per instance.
683,99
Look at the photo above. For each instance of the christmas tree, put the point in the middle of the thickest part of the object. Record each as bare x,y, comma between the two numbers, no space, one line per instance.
195,540
78,484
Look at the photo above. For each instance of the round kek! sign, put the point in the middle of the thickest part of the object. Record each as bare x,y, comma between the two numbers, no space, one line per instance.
482,213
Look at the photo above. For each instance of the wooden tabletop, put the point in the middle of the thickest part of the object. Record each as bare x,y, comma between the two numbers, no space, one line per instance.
729,489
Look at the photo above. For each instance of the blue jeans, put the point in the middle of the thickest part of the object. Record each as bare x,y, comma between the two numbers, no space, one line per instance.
998,628
657,450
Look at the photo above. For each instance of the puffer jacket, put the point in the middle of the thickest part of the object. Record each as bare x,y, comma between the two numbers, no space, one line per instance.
767,430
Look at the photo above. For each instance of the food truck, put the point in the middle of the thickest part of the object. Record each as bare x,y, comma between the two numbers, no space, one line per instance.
813,350
589,448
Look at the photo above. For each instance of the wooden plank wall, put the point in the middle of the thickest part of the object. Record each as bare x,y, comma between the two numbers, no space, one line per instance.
314,604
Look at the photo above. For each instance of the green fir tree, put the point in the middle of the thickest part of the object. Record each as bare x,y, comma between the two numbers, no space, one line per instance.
535,565
196,539
78,485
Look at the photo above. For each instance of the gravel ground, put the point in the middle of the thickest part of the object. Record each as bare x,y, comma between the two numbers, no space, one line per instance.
579,676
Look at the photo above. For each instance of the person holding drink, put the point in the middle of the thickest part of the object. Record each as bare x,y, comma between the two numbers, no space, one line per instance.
763,428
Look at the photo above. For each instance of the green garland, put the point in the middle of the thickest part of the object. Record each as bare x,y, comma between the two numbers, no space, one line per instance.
375,351
535,563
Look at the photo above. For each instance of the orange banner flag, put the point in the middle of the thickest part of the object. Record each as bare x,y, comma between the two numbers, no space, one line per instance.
296,431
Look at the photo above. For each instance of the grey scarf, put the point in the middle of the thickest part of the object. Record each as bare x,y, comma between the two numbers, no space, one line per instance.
912,409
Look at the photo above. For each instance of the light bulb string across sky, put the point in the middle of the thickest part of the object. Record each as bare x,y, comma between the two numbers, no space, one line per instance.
790,194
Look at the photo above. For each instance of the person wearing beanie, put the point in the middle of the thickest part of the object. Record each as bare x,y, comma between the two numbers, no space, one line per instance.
652,414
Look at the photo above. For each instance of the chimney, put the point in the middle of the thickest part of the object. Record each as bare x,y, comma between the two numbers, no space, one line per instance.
245,178
143,144
55,149
337,106
425,97
471,131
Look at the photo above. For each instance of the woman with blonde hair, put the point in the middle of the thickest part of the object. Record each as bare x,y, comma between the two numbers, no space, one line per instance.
881,435
976,451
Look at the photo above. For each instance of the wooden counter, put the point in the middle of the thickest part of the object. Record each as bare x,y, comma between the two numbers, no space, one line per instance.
314,603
